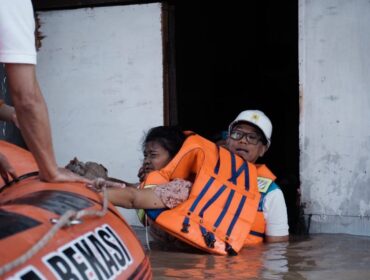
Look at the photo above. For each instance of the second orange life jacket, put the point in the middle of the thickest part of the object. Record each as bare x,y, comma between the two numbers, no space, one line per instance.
265,184
223,201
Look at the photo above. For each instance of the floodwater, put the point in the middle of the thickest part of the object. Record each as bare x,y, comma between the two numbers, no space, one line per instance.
319,256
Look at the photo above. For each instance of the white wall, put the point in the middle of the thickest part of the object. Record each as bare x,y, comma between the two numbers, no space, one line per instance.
100,71
334,47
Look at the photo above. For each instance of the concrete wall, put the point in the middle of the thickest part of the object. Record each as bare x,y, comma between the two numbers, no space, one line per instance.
100,71
334,45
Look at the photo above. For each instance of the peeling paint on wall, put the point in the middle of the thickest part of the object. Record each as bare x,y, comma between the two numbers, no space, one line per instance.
101,74
335,117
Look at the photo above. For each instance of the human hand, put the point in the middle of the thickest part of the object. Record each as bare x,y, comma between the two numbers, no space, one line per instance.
65,175
15,119
6,169
98,184
7,113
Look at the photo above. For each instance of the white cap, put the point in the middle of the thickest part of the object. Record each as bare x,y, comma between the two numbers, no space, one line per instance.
257,118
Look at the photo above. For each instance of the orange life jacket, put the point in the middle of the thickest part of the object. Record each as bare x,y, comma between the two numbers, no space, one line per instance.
223,201
265,184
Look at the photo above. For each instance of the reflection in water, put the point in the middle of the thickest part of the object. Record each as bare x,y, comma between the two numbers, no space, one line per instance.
324,256
275,263
266,261
172,264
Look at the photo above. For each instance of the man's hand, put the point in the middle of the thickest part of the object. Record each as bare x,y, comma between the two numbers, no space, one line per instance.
64,175
6,169
15,119
8,114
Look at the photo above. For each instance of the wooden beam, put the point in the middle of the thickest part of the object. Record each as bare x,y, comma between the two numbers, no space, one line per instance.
40,5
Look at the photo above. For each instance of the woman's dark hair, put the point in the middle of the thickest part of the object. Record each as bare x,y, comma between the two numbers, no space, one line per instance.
170,138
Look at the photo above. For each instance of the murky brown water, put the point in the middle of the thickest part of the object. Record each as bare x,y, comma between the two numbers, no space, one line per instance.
324,256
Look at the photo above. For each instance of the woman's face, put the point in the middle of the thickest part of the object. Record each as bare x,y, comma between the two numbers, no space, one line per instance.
155,157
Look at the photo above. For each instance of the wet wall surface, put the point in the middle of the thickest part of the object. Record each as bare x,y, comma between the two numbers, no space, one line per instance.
319,256
334,115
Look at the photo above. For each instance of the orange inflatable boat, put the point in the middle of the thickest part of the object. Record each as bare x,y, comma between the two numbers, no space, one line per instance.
62,231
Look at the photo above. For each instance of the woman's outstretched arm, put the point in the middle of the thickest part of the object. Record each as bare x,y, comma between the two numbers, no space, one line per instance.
132,198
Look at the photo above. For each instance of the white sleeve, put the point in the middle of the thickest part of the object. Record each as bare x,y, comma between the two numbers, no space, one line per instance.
275,213
17,32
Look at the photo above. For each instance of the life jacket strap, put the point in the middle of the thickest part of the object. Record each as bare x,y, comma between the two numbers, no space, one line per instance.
224,210
256,233
230,251
236,173
209,237
213,199
185,223
236,216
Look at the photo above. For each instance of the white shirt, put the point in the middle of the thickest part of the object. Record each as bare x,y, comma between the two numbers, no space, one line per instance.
275,213
17,32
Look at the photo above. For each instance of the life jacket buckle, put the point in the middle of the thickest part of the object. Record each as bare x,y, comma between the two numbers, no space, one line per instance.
209,240
230,251
185,227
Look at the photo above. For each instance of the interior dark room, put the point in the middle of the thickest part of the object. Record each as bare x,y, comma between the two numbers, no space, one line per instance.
234,56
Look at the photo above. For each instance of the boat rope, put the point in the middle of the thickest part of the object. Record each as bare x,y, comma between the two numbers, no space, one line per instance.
20,178
146,232
67,219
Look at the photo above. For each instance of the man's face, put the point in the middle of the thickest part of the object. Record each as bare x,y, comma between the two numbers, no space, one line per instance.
249,146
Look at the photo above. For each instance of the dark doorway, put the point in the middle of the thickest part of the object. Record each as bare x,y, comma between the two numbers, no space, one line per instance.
239,55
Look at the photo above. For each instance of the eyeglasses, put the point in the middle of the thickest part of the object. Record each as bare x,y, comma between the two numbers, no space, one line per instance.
252,138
